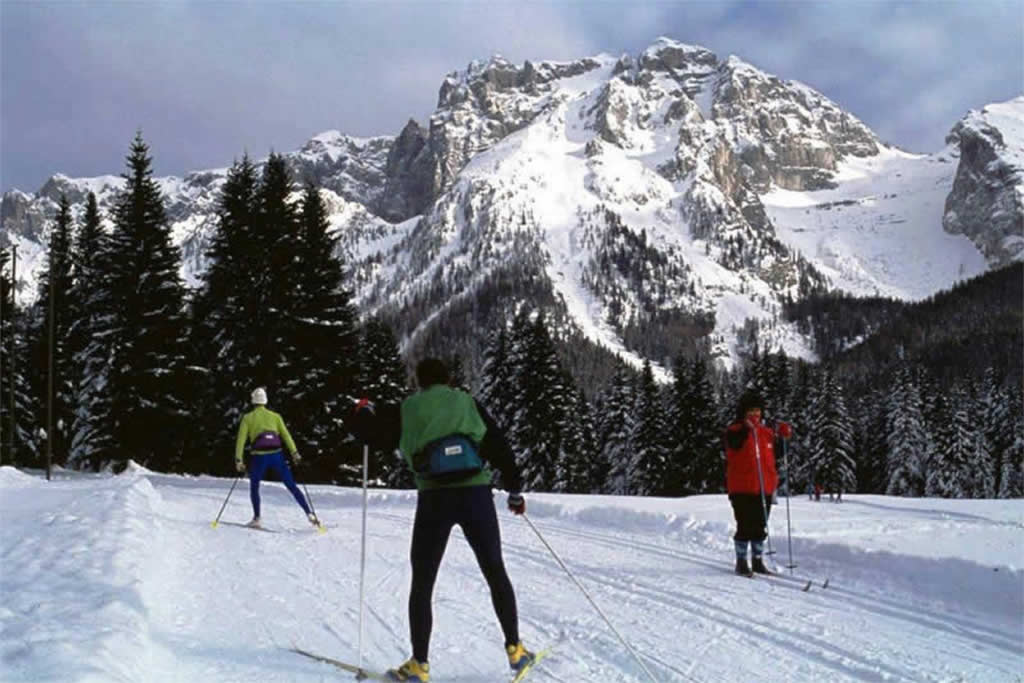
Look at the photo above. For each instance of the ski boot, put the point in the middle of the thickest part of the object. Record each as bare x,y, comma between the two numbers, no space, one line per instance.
518,656
742,568
313,520
412,670
254,523
758,566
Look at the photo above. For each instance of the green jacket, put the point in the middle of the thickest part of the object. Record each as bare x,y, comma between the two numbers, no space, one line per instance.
436,412
257,421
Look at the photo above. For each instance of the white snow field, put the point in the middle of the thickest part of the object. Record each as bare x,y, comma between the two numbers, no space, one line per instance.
122,578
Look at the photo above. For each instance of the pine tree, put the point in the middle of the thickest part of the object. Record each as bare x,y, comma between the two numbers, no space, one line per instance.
19,446
831,440
6,339
497,389
704,471
650,454
148,416
983,462
87,352
934,405
583,470
544,397
383,379
802,475
680,422
324,335
615,425
779,385
225,310
277,280
57,270
996,422
959,442
1011,480
872,465
907,437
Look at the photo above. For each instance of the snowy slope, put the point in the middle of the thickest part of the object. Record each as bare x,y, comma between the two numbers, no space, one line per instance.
880,232
123,579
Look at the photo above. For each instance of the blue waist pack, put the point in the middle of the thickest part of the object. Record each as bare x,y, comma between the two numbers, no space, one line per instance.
448,458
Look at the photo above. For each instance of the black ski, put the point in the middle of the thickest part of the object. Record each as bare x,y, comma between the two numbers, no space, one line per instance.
253,528
361,673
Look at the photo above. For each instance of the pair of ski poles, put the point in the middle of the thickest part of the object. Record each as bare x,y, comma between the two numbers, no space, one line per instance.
362,573
216,521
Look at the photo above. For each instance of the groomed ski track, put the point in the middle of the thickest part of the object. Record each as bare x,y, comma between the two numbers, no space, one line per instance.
184,601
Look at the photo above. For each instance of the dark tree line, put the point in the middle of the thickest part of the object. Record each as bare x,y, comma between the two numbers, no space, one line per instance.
149,371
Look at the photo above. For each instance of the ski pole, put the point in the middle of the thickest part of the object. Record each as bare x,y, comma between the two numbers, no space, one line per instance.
309,499
789,485
362,559
760,478
215,522
590,599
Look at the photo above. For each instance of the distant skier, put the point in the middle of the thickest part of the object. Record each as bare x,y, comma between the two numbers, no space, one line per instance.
447,440
749,461
265,433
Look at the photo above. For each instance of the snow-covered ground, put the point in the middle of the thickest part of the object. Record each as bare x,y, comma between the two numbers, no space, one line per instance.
122,578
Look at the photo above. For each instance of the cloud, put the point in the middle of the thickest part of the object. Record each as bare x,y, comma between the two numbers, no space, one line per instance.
208,80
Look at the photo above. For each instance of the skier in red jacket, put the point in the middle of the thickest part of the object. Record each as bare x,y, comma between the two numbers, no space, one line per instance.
751,478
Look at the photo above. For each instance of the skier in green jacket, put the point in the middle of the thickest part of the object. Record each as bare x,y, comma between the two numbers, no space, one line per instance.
266,435
448,440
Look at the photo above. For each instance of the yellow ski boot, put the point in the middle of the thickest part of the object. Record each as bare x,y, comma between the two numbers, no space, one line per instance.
518,656
412,670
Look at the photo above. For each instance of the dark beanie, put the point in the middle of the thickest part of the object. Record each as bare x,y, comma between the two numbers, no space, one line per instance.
431,371
750,399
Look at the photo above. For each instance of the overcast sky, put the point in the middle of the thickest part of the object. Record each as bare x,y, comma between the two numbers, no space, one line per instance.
206,81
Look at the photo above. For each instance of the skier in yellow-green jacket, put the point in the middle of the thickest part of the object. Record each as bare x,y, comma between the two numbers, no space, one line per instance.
264,432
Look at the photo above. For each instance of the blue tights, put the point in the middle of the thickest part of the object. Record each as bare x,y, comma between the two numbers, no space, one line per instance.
259,465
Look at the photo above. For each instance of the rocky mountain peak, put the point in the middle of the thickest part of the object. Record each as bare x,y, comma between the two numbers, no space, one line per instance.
987,201
627,196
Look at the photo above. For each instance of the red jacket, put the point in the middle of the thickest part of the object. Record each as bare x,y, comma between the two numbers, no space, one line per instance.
741,453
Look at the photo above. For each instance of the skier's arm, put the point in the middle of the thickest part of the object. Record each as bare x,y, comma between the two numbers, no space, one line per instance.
243,432
495,450
735,437
285,436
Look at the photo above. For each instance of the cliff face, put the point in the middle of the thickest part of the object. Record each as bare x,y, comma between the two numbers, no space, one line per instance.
987,200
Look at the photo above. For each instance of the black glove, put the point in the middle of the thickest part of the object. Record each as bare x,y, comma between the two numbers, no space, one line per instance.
516,503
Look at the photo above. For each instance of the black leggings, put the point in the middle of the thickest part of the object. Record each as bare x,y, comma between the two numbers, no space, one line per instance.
437,511
749,510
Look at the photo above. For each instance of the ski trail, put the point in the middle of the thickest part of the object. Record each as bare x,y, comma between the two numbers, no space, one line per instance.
194,603
824,649
952,624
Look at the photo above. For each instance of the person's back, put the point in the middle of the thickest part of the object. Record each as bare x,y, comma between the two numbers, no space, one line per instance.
261,421
434,413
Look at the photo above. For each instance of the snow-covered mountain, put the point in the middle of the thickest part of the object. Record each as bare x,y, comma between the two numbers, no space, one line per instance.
666,186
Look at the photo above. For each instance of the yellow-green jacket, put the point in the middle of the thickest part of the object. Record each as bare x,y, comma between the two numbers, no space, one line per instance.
257,421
